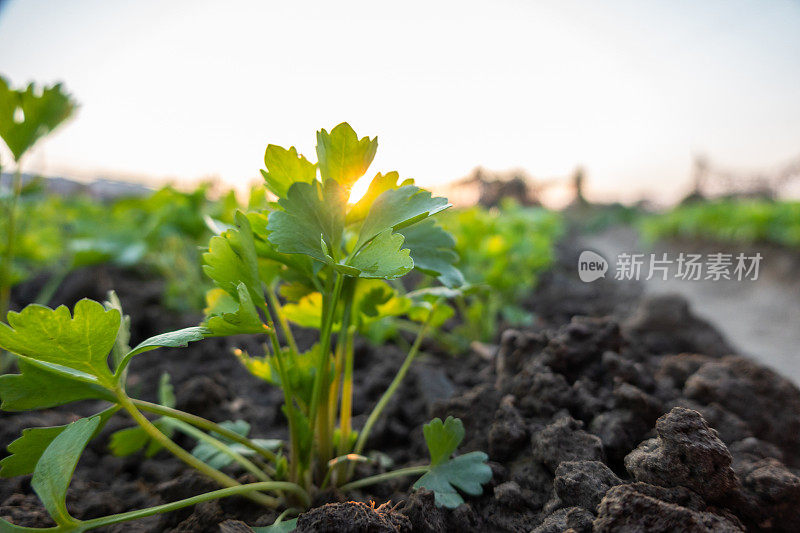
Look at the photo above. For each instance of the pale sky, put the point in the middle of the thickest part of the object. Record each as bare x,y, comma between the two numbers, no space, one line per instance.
628,89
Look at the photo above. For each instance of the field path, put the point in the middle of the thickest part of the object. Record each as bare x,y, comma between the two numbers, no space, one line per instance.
759,318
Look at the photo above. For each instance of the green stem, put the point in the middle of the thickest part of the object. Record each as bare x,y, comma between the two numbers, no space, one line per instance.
220,446
182,454
8,253
346,411
387,395
294,437
202,423
411,470
287,332
318,411
348,293
194,500
286,387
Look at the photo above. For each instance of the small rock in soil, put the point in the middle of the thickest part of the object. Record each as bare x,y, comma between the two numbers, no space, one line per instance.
580,343
583,483
508,433
516,348
664,324
766,401
421,510
627,396
633,508
620,431
730,427
576,519
676,369
234,526
541,392
565,440
204,519
772,495
687,453
353,517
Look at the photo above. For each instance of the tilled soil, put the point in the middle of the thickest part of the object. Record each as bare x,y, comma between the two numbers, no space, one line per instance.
615,413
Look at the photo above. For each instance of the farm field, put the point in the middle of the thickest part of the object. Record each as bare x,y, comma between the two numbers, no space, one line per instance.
531,359
562,294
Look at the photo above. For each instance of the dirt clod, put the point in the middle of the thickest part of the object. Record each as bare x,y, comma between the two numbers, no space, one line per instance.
686,453
353,517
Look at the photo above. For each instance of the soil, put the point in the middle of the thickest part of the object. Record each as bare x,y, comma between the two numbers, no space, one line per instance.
769,332
617,411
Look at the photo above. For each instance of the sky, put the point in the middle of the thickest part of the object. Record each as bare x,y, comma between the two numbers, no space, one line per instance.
630,90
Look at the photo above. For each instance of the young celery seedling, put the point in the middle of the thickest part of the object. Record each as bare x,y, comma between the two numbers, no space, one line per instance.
332,260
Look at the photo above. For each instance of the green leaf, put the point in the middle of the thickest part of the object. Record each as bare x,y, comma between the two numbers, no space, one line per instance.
419,312
244,320
28,448
342,156
285,167
41,112
54,470
38,388
219,459
128,441
8,527
383,257
172,339
379,184
375,299
397,208
53,337
443,438
432,249
121,346
466,472
285,526
312,221
307,312
231,259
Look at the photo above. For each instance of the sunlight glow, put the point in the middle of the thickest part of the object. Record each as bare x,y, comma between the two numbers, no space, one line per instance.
359,189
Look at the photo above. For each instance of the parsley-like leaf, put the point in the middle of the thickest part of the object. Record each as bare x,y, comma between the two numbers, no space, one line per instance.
311,222
41,112
28,448
65,343
342,156
379,184
432,249
216,458
231,259
285,167
54,470
172,339
285,526
37,388
227,317
397,208
466,472
383,257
